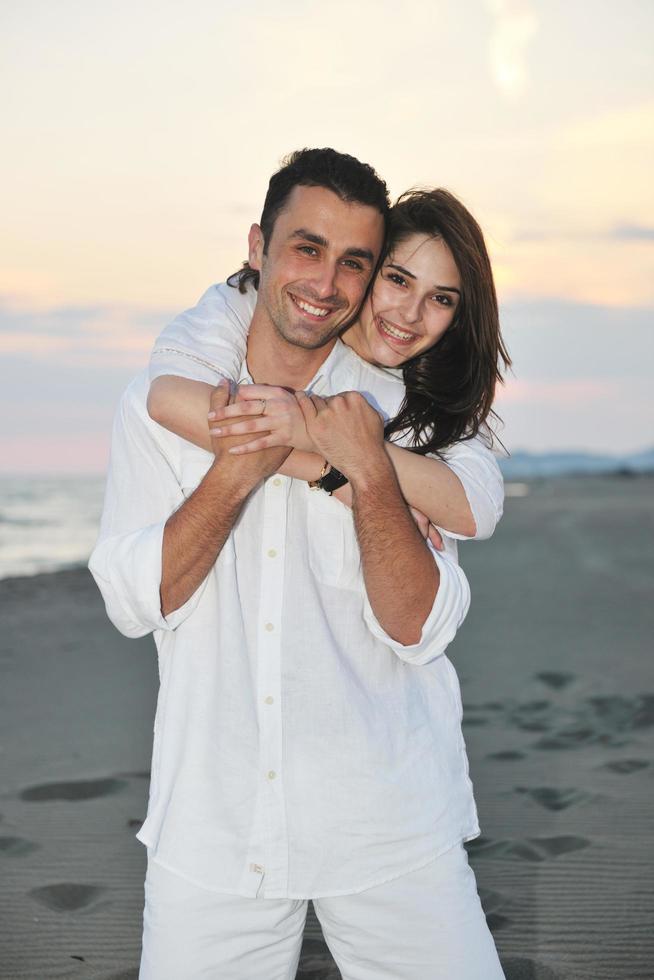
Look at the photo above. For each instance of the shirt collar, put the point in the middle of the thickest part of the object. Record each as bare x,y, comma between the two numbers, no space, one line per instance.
327,378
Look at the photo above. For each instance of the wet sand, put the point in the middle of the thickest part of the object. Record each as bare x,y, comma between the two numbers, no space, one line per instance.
555,663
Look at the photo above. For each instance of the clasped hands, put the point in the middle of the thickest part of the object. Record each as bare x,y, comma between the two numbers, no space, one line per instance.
343,429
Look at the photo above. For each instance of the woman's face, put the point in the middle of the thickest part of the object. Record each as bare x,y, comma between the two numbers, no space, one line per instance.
412,302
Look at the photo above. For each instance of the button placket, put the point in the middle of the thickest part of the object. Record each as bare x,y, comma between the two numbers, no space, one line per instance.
273,544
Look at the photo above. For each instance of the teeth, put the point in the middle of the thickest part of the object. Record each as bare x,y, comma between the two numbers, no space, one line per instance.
313,310
394,332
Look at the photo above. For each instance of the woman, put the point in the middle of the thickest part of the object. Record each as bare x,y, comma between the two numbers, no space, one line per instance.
432,311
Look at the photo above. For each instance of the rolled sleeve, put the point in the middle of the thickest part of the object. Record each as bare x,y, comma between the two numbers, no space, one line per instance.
439,629
207,342
127,570
476,466
142,492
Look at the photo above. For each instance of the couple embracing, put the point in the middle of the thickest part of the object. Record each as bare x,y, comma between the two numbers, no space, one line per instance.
286,488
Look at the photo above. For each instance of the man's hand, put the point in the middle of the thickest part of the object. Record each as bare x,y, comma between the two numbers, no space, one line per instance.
347,431
250,468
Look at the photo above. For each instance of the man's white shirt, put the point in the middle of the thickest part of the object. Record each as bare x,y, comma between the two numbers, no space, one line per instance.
299,751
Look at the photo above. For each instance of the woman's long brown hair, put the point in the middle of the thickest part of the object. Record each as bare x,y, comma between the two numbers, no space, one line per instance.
450,388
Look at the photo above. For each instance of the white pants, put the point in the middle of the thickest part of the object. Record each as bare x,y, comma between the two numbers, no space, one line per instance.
426,925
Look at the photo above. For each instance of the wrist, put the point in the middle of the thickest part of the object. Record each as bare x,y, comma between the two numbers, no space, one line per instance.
373,471
228,480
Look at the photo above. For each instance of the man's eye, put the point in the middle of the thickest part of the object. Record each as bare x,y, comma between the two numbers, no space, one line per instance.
308,249
353,264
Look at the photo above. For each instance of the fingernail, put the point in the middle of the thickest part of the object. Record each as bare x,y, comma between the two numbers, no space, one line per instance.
215,432
211,415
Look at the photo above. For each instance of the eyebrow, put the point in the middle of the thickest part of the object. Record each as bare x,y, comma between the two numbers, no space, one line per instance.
405,272
310,236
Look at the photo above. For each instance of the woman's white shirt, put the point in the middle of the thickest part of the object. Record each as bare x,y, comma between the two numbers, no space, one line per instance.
209,341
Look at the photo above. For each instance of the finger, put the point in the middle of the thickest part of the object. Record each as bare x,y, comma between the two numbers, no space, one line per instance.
306,405
219,396
422,522
252,392
267,442
236,409
259,424
320,403
436,538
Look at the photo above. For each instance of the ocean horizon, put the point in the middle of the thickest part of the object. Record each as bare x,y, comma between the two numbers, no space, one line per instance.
49,523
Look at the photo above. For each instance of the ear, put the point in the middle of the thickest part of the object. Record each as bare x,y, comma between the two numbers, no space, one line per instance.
255,247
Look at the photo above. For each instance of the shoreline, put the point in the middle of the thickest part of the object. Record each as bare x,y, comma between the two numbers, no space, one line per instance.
555,669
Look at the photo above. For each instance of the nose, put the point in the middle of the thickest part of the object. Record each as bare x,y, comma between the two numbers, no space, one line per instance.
412,309
324,280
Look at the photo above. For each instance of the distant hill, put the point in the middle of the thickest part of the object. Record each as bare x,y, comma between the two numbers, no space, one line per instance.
523,465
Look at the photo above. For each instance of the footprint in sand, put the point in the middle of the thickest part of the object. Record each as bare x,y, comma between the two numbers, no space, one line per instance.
554,799
83,789
67,896
555,679
530,849
625,766
507,755
132,974
17,846
521,968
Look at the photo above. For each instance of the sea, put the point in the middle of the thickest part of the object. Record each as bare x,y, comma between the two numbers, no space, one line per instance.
48,523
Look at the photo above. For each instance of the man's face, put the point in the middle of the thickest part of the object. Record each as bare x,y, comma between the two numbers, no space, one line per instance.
318,263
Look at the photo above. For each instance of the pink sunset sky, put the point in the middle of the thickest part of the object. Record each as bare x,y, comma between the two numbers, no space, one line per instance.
139,139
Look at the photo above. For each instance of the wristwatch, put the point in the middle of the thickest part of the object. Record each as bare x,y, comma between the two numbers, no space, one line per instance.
330,479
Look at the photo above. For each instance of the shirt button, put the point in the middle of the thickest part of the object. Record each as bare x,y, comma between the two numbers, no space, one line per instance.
269,700
277,482
269,627
272,553
272,774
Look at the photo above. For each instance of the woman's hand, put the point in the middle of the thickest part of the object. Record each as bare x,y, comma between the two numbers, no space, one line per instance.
274,413
426,528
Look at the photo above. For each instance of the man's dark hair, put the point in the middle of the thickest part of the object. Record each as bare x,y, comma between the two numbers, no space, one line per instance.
341,173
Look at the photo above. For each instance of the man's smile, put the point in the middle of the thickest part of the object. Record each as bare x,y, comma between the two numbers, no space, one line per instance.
310,310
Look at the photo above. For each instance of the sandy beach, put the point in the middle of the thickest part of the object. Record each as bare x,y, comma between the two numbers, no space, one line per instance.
555,663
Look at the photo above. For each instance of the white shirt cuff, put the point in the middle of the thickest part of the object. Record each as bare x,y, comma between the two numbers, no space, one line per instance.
440,627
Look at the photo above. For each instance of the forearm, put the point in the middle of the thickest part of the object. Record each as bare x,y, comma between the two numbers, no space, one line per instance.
400,574
181,406
195,534
430,486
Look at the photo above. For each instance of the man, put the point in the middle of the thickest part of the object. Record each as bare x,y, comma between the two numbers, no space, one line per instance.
307,740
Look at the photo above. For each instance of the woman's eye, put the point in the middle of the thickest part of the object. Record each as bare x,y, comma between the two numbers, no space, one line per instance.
397,279
443,300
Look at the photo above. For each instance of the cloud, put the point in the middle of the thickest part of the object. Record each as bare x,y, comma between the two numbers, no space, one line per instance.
80,334
616,233
515,24
632,233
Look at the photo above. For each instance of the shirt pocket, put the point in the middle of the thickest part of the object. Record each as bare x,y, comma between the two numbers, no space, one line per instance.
334,556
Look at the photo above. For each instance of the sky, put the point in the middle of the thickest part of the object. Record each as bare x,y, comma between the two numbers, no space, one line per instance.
140,137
